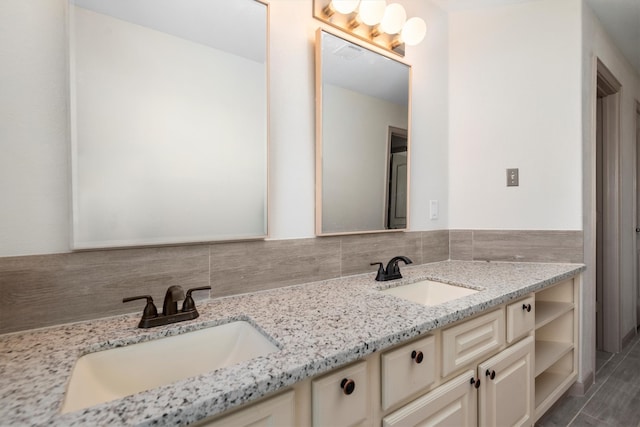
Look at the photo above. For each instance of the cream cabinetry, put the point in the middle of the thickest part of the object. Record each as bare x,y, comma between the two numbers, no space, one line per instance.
466,342
521,318
556,354
506,391
451,404
478,395
342,398
501,368
275,411
407,370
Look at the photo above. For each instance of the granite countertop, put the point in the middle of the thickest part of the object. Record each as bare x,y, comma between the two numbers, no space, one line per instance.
317,327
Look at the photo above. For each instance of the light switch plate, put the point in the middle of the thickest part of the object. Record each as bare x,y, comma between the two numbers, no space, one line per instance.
513,179
433,209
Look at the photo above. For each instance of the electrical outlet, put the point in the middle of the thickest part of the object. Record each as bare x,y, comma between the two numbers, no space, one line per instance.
513,179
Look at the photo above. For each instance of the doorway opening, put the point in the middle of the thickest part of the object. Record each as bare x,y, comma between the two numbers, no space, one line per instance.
607,211
397,174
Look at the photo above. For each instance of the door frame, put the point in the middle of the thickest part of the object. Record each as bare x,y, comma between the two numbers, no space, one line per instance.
608,87
636,188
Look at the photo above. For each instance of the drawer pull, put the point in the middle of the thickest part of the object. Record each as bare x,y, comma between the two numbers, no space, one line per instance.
526,307
491,374
475,382
417,356
347,386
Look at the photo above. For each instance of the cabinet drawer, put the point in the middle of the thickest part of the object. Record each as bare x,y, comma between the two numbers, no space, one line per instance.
521,318
451,404
342,397
407,370
276,411
465,343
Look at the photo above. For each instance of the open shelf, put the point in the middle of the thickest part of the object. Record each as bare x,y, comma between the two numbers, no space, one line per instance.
548,311
546,383
556,335
548,353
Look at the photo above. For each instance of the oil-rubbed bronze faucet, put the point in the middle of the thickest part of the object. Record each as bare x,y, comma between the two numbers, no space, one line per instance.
393,269
170,313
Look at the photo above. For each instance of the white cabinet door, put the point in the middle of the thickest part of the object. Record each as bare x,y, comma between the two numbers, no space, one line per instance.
451,405
342,397
275,412
506,395
407,370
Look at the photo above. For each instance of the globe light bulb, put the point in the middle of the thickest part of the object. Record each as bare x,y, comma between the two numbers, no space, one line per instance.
345,6
393,18
372,11
413,31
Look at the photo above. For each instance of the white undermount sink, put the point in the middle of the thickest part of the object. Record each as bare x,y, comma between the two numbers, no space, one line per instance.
428,292
112,374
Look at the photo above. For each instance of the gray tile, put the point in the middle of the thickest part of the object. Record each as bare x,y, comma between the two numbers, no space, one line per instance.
254,266
46,290
617,402
528,245
358,252
583,420
561,414
461,245
602,357
435,246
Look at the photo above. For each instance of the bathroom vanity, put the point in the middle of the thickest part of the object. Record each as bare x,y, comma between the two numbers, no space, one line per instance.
347,354
505,367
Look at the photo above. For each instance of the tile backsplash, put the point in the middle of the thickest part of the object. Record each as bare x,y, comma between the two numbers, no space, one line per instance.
44,290
517,245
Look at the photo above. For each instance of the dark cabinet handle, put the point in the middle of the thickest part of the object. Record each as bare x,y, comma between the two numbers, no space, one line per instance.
491,374
347,386
475,382
526,307
417,356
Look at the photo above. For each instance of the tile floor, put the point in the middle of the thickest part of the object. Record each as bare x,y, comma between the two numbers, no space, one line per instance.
614,400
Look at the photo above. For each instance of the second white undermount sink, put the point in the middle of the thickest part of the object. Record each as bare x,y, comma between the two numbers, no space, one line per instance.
115,373
429,292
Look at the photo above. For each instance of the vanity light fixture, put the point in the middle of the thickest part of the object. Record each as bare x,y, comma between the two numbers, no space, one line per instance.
374,21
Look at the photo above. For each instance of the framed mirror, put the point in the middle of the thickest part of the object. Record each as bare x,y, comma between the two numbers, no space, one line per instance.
362,138
168,121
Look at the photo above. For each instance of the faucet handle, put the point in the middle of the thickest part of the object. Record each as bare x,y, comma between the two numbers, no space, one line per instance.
189,304
381,271
150,310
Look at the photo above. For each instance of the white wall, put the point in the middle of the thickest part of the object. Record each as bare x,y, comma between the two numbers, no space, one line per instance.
354,158
514,94
34,170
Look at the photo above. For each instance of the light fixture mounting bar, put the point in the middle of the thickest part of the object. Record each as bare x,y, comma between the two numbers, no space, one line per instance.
349,24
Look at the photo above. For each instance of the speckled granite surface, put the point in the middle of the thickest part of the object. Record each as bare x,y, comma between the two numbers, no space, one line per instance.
317,326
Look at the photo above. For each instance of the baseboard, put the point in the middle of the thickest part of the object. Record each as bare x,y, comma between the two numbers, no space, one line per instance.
580,388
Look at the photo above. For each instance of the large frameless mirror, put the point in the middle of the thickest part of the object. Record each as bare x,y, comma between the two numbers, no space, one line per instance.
362,144
168,121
